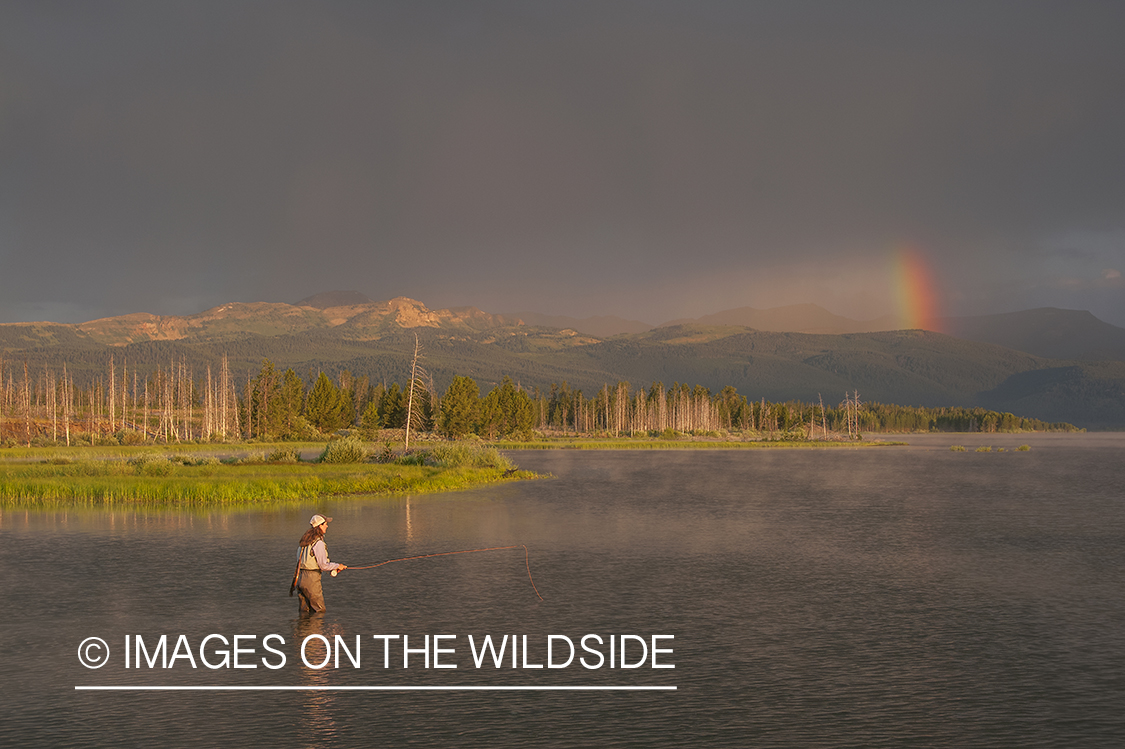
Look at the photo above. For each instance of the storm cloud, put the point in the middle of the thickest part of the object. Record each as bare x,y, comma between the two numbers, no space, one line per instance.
652,160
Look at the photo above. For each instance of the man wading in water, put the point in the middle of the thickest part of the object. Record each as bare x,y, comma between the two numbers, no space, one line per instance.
312,560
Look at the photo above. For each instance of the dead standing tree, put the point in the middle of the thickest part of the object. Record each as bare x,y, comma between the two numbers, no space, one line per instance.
25,402
418,378
851,410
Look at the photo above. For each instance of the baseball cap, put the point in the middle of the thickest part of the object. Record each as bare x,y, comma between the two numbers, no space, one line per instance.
318,519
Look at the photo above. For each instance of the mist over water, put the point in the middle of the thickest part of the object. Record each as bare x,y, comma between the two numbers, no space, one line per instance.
877,597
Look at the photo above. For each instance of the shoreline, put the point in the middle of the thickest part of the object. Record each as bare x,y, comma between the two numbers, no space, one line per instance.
647,444
144,476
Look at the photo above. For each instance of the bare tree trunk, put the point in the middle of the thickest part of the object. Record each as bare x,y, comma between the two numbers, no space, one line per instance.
112,393
190,402
823,419
249,403
26,403
224,385
124,393
66,404
208,407
53,406
145,427
410,397
169,393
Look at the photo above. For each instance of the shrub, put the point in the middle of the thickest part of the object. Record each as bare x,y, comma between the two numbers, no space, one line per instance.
984,449
386,455
347,450
957,448
414,458
151,465
710,433
132,437
460,454
283,455
1024,448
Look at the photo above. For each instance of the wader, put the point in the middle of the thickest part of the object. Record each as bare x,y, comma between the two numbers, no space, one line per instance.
309,593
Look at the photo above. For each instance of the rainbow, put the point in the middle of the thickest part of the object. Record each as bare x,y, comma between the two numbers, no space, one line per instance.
915,290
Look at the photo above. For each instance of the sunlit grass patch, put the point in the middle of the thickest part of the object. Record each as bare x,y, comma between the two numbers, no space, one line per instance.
661,444
126,452
168,482
461,454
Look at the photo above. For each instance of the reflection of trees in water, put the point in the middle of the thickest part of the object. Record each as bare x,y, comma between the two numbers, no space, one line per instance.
96,517
318,721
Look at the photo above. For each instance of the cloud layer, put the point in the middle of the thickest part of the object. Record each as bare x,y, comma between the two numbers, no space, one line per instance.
651,160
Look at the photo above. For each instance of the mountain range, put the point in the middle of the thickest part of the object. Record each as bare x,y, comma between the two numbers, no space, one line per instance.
1047,331
1055,365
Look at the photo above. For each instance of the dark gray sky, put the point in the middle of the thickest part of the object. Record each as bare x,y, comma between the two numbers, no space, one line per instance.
646,159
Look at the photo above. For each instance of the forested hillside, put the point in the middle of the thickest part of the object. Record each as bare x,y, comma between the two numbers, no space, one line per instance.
375,341
1047,331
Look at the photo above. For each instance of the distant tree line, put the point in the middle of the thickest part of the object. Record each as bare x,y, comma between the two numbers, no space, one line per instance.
173,403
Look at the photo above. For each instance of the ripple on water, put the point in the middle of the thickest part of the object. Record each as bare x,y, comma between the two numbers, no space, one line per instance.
904,596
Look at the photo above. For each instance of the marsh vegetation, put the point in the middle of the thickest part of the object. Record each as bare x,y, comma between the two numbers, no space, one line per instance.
278,474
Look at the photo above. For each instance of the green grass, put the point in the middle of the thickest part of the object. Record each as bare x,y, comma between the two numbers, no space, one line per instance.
460,455
658,444
163,482
180,448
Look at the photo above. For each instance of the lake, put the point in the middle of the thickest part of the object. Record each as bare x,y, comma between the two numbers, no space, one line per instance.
886,596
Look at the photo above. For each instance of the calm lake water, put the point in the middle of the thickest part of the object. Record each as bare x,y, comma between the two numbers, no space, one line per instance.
899,596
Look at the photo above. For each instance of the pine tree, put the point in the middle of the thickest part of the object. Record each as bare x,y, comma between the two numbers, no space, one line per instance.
371,419
460,407
392,407
322,407
290,403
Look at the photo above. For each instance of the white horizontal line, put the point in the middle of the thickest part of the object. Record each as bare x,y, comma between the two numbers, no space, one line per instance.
367,689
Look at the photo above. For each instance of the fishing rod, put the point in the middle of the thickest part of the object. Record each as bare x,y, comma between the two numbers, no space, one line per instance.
526,560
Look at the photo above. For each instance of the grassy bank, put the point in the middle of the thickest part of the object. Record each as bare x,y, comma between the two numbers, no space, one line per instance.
150,477
111,482
122,452
208,475
661,444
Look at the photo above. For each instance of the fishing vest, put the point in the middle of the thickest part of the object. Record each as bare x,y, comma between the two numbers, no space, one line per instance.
308,560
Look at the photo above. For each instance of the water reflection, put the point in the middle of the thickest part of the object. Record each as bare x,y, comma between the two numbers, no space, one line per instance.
896,596
318,716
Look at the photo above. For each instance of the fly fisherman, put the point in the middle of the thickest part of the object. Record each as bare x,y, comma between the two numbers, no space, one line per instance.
312,560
